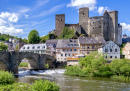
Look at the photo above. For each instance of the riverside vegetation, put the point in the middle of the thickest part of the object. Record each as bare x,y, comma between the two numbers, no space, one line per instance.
8,83
95,65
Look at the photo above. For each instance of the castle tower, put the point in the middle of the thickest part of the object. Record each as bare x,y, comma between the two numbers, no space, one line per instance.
59,23
83,18
111,25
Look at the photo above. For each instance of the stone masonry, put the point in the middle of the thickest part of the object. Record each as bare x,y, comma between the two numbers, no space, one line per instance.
11,60
106,25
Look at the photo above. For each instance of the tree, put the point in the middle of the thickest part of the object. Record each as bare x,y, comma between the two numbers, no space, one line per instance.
33,37
3,47
67,33
24,40
16,48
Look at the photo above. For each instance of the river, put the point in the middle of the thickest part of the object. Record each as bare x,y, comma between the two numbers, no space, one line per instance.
73,83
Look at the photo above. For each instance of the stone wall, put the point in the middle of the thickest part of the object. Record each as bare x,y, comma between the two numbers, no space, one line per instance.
59,23
95,26
11,60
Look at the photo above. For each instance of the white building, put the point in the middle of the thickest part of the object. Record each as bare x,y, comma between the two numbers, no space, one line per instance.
35,48
111,49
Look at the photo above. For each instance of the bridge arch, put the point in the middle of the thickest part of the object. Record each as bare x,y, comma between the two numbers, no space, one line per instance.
33,59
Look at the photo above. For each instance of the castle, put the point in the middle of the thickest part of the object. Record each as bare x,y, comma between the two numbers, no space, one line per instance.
106,25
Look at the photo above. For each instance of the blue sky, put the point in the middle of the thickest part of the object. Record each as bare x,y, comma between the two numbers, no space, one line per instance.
19,17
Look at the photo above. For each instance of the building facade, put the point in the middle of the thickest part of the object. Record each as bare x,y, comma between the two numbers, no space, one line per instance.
106,26
36,48
111,50
90,44
126,50
52,44
67,48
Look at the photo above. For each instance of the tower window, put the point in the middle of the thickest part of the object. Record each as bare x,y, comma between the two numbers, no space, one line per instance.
61,19
83,13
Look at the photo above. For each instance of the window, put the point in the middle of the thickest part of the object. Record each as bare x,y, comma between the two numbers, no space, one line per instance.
106,57
28,47
68,44
105,50
115,56
63,49
68,54
83,47
110,50
115,50
61,54
43,47
71,44
33,47
110,56
38,47
83,52
65,54
87,47
67,49
23,47
75,50
75,44
65,58
70,49
92,46
88,52
54,45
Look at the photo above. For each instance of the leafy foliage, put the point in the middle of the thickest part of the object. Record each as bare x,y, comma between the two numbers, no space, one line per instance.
25,40
6,78
33,37
46,85
95,65
3,47
23,65
67,33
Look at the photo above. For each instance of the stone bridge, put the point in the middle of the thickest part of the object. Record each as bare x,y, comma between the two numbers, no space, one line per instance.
10,61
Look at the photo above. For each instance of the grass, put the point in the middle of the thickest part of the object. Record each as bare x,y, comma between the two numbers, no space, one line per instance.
23,65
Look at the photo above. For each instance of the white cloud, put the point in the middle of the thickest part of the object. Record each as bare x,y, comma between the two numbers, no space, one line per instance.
102,9
26,16
13,18
6,23
83,3
125,26
2,22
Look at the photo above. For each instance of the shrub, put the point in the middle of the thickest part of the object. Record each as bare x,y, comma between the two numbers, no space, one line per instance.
6,77
15,87
46,66
23,65
40,85
75,71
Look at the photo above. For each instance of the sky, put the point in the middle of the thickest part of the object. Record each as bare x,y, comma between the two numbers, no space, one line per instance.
19,17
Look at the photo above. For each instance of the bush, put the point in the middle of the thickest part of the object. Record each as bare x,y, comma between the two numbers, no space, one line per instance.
23,65
15,87
6,78
46,85
75,71
46,66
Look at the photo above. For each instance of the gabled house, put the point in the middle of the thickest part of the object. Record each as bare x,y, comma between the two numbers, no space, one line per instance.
126,50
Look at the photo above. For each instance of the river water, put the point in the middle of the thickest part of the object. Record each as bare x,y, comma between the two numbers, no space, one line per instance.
73,83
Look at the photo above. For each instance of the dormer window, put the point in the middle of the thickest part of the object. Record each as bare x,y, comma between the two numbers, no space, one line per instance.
38,47
33,47
68,44
43,47
28,47
71,44
23,47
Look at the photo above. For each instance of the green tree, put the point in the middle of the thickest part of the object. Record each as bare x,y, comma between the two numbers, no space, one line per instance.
67,33
16,48
24,40
33,37
3,47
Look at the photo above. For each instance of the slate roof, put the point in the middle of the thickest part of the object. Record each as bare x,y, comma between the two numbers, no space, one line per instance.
52,41
67,43
34,47
124,40
91,40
